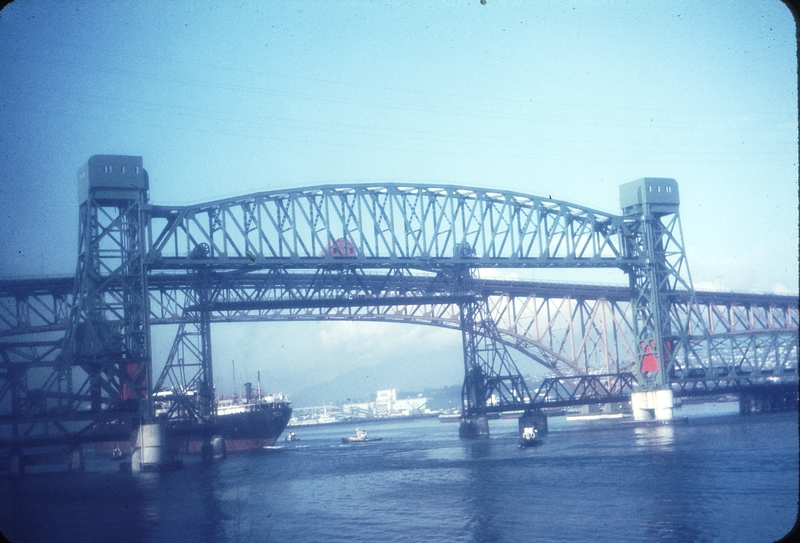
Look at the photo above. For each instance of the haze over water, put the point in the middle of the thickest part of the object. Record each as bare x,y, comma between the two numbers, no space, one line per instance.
720,478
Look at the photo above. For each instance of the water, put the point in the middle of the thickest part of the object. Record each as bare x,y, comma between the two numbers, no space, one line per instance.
722,477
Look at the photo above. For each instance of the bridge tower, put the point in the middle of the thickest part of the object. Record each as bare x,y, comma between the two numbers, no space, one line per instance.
662,331
108,335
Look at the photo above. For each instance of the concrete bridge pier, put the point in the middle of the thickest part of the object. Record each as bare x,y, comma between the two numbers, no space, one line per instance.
535,419
150,450
474,427
218,449
652,405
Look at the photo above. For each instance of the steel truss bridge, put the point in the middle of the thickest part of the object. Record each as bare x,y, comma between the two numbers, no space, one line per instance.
75,354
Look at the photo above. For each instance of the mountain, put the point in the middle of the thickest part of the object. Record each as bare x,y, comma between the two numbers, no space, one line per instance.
360,384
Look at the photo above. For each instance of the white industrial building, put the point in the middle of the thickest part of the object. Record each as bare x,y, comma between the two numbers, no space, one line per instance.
386,404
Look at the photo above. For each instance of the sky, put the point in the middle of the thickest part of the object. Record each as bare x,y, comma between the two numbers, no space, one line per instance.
549,98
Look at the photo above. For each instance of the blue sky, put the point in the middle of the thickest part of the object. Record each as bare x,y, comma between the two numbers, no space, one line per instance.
567,99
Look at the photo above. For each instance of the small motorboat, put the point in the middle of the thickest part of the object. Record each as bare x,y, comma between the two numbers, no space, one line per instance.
291,437
360,437
529,437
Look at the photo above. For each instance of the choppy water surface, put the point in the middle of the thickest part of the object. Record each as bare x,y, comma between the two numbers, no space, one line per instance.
722,477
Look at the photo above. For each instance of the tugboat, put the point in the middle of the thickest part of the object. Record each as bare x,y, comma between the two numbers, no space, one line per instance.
291,437
360,437
529,437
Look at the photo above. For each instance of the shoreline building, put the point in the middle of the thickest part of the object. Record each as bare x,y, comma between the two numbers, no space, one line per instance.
386,404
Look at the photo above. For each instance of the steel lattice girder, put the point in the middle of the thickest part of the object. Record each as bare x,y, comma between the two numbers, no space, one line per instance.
564,327
188,372
570,329
37,306
570,335
386,226
565,391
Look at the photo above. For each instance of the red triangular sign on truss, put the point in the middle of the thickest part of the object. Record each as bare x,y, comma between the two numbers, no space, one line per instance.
649,360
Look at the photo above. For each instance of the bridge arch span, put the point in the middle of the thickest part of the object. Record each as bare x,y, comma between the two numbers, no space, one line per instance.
387,225
535,351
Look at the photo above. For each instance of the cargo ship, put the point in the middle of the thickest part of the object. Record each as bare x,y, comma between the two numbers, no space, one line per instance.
241,426
254,424
245,425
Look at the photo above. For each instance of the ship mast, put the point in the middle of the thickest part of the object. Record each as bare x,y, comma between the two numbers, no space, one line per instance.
235,391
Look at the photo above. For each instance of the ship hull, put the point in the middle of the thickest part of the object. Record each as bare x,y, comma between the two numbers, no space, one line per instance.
259,426
249,427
